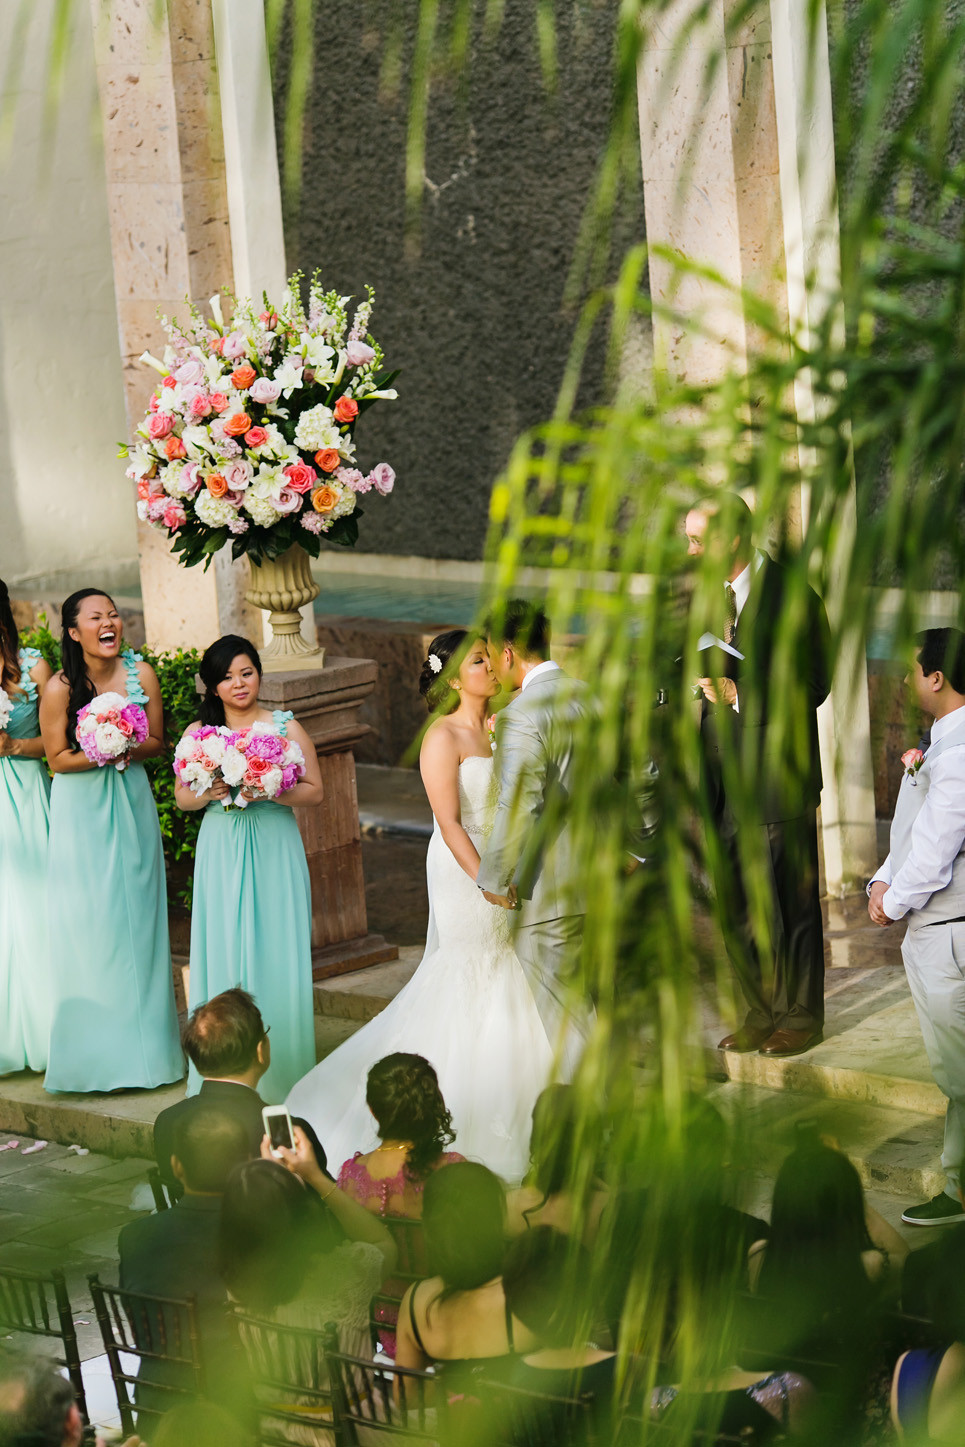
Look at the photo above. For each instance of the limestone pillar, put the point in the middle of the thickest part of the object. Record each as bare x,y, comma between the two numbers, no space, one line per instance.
738,171
326,703
170,240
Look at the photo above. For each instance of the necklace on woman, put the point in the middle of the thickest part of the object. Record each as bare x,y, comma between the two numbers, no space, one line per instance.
393,1146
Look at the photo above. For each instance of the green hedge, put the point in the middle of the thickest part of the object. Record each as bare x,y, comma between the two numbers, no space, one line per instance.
176,671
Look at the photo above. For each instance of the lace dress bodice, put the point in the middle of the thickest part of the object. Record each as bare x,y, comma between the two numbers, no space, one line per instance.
478,792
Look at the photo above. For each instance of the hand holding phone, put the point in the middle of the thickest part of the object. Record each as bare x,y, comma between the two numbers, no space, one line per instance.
278,1129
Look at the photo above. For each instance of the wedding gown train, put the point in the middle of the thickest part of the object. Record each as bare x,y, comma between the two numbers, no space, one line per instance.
468,1009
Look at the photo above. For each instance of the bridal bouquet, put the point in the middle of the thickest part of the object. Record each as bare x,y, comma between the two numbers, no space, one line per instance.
109,727
250,434
6,708
272,764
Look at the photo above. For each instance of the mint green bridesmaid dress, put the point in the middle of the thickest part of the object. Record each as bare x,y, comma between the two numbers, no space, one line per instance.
25,1003
114,1024
251,925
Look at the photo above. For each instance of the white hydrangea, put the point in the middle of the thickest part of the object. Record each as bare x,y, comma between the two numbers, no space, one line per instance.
316,429
260,510
214,512
345,504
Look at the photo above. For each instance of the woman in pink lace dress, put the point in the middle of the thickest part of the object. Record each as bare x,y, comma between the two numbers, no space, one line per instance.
414,1127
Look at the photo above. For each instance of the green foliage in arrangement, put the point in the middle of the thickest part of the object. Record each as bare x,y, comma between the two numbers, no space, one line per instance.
176,672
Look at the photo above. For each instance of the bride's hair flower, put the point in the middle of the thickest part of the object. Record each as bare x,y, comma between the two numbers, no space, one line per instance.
435,663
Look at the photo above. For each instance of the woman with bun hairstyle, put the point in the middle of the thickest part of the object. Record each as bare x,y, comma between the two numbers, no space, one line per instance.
468,1009
114,1021
25,1003
251,916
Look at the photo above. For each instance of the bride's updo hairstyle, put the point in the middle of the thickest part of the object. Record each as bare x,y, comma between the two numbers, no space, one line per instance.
402,1092
435,682
9,643
72,664
214,670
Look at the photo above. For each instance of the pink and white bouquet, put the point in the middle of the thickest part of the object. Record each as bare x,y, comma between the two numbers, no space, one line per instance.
6,709
109,727
250,435
257,759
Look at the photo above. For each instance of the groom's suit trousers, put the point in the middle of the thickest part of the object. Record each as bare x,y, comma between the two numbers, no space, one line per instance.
546,949
934,958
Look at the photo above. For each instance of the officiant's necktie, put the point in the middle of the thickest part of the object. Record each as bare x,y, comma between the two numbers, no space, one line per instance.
730,617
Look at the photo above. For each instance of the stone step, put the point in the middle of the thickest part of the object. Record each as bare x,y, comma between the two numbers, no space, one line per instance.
872,1050
363,994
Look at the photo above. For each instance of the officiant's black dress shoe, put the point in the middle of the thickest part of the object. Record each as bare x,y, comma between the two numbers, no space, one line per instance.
747,1038
791,1042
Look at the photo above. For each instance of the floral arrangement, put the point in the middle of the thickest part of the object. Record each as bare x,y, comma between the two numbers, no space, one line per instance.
6,708
109,727
250,434
257,759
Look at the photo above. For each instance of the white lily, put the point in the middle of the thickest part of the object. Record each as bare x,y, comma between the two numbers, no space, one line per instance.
150,361
215,304
389,395
288,376
342,359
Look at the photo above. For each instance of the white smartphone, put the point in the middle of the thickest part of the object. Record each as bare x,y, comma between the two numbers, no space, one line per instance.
278,1128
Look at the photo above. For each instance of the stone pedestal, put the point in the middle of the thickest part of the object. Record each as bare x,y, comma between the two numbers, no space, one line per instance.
326,703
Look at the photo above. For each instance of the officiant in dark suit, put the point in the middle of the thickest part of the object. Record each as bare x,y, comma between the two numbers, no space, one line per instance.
761,777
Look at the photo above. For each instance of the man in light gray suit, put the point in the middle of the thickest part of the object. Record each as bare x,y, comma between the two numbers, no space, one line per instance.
528,862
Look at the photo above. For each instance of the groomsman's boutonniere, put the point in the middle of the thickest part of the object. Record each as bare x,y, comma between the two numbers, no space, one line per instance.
912,759
491,731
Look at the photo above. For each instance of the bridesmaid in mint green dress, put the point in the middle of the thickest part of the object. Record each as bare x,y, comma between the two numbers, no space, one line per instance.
25,1005
114,1020
251,913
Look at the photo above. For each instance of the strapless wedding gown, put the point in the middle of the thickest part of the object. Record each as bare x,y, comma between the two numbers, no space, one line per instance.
468,1009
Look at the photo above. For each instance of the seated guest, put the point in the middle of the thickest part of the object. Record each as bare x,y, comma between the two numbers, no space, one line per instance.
933,1284
563,1138
928,1394
414,1126
296,1250
175,1253
459,1315
38,1407
227,1042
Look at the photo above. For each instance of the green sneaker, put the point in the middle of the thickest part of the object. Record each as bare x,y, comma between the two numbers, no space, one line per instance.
941,1210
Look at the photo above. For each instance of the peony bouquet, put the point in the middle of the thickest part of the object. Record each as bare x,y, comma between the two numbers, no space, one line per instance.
109,727
250,435
6,708
257,759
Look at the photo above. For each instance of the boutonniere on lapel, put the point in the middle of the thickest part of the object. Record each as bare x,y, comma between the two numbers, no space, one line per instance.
491,731
912,759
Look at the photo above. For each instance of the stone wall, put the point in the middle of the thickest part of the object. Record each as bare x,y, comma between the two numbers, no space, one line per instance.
476,322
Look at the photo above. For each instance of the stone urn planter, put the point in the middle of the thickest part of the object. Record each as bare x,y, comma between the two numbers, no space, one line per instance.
283,585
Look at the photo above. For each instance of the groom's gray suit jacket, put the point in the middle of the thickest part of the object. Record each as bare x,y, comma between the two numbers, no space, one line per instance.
531,844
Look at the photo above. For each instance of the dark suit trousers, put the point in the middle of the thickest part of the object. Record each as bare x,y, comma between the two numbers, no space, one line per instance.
780,969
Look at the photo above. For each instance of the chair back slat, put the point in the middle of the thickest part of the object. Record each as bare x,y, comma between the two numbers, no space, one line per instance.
162,1332
37,1303
290,1376
369,1399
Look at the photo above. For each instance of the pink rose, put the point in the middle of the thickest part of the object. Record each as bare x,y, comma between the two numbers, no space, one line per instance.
269,320
358,353
256,437
912,760
265,391
286,501
200,405
154,403
217,345
346,409
237,475
189,373
301,477
174,516
218,401
234,346
144,489
190,478
383,478
160,425
168,382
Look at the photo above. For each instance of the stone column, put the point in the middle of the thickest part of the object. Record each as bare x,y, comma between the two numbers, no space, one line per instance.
170,240
738,170
326,703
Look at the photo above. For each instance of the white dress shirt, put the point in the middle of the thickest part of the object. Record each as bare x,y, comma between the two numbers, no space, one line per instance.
938,833
742,591
547,666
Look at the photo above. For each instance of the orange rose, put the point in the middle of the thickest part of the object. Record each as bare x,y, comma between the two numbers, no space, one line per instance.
238,424
243,376
328,459
346,409
324,498
175,448
216,484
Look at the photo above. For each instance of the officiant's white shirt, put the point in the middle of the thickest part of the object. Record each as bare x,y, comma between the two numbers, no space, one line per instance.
939,830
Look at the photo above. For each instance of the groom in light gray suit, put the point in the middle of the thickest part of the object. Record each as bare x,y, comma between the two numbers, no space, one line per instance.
528,863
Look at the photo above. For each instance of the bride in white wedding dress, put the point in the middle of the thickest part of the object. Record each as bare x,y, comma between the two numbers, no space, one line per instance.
468,1009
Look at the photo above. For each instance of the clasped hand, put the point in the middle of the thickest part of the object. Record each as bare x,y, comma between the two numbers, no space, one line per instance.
875,908
504,901
718,690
